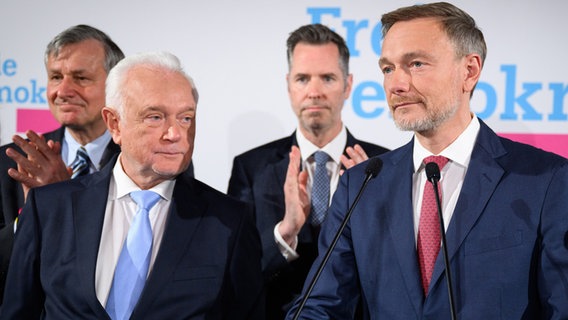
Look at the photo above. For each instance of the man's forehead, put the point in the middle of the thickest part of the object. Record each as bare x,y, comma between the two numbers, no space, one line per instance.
88,49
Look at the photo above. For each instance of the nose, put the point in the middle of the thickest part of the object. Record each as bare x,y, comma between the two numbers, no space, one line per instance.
314,89
398,81
66,88
173,131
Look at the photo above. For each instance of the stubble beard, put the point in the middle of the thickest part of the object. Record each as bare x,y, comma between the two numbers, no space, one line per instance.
434,116
432,120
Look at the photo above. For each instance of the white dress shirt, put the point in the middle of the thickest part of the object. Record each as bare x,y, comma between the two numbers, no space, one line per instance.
452,175
120,211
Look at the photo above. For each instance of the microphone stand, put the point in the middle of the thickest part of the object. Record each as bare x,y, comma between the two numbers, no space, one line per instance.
433,175
373,168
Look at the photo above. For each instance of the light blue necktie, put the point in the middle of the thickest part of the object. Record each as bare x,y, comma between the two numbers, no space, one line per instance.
80,165
132,267
320,189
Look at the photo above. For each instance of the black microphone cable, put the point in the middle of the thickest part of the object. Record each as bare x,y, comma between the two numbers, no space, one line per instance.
433,175
375,165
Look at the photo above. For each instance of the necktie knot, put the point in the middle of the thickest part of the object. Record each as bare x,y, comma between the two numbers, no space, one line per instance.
145,199
441,161
321,158
80,165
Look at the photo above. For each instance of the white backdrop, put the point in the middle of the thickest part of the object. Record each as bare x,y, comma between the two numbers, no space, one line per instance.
235,51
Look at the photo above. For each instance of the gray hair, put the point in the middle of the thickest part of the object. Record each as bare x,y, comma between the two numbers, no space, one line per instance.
80,33
117,76
459,26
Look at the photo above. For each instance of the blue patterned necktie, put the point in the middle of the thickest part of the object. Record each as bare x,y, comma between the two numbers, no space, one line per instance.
80,165
320,189
132,267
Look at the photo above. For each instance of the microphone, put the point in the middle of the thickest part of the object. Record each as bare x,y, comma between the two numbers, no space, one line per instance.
433,175
372,170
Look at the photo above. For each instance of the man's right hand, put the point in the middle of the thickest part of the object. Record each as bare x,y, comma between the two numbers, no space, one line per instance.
42,165
296,198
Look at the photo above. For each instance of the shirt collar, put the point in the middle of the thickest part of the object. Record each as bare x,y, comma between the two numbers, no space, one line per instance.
458,151
95,148
125,185
334,148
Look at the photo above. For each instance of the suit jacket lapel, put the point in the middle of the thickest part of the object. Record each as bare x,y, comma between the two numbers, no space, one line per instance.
400,221
110,151
55,135
183,219
268,195
89,206
271,179
482,177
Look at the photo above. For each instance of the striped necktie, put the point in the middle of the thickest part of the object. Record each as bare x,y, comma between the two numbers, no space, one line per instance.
80,165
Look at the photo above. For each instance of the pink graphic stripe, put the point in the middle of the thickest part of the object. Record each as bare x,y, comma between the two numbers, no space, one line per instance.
39,120
557,143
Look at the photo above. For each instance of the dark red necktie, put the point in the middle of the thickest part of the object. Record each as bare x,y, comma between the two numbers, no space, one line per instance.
429,238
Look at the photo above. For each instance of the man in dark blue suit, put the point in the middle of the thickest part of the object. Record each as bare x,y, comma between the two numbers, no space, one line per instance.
203,255
269,178
77,62
504,204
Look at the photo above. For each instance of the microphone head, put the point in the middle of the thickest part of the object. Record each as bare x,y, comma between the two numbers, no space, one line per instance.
432,171
374,166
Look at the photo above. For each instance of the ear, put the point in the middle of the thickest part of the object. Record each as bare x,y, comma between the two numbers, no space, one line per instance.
112,121
473,67
348,85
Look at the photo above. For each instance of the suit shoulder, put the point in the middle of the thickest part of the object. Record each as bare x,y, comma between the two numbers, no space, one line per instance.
5,161
52,135
531,155
215,196
267,148
372,149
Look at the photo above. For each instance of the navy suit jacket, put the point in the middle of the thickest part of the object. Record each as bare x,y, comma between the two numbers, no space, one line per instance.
207,267
12,198
257,178
507,241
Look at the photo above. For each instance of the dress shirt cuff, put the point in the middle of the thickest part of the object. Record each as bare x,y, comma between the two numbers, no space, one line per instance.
16,220
287,251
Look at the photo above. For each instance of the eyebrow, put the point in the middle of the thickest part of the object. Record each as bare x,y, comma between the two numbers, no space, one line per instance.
383,61
407,56
73,72
160,108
